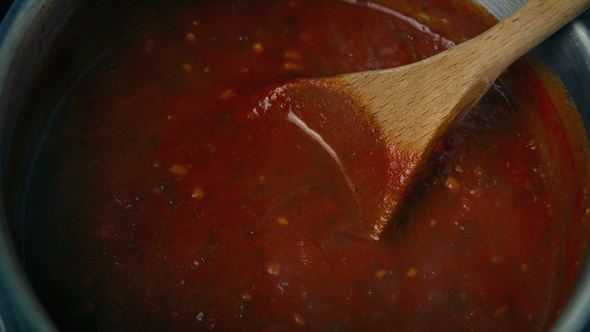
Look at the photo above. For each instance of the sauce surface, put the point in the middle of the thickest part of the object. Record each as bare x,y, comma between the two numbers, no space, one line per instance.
171,205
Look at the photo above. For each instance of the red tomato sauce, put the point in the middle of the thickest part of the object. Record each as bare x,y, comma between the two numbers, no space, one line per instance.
172,206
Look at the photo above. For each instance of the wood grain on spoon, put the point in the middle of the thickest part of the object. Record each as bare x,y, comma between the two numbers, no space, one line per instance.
417,105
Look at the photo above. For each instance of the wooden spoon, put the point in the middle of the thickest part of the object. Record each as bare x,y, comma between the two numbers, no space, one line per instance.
417,105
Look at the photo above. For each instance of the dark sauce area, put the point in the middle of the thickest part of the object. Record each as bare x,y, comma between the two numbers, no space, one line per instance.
161,200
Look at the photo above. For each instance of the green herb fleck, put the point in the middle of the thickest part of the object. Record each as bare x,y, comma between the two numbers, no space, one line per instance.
292,200
132,244
225,116
173,199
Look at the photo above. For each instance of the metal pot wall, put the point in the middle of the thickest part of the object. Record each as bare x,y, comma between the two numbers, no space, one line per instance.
29,31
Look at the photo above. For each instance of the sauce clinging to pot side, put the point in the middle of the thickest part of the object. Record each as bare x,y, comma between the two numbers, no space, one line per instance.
174,206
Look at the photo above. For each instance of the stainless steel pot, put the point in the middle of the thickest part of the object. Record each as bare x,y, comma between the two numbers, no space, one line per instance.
29,31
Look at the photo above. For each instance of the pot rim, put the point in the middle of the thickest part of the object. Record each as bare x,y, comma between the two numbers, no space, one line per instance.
20,309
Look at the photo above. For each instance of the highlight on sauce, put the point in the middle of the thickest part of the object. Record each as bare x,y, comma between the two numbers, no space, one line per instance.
169,199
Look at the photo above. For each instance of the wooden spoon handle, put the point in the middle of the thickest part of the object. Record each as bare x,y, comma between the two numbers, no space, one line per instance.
524,29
